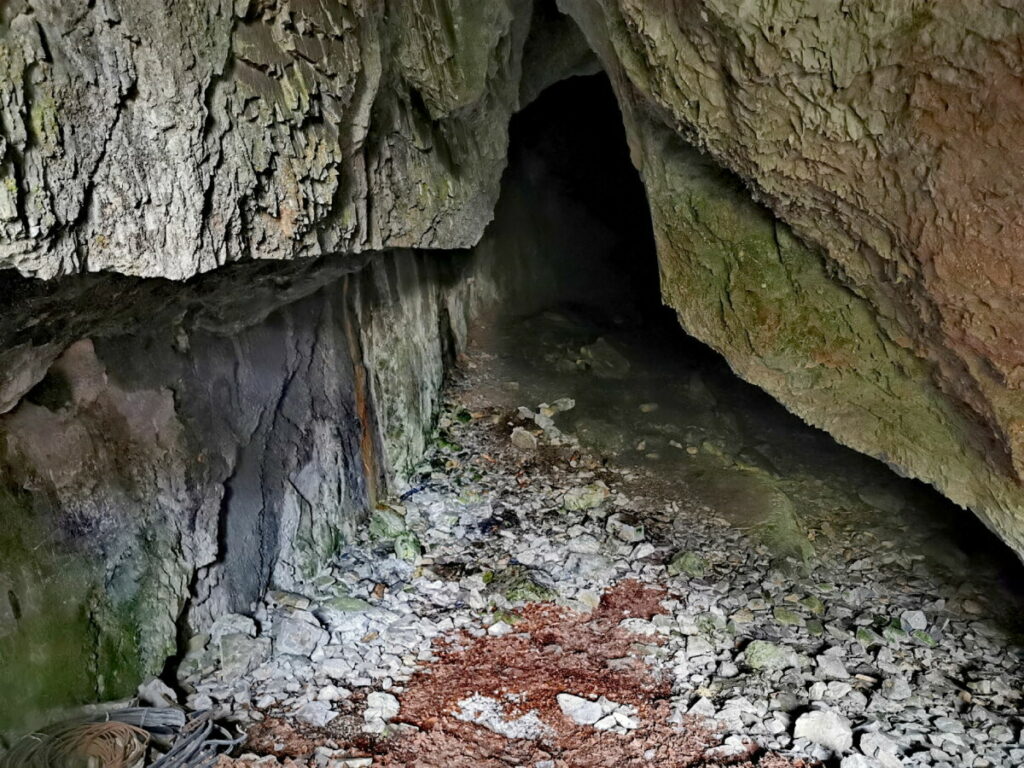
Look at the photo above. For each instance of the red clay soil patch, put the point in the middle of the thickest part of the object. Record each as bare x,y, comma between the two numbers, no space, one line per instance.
554,650
631,599
285,737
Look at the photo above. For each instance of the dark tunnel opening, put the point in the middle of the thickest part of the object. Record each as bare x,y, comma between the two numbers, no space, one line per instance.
573,207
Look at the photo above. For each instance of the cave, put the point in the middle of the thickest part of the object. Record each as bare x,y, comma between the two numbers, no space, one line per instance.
522,383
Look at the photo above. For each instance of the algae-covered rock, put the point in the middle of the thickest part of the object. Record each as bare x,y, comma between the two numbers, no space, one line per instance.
814,605
835,286
690,563
586,497
765,656
408,547
924,638
868,637
62,641
787,617
518,584
346,603
386,524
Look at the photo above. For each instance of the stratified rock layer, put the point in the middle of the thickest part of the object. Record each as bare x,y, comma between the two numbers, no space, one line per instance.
160,139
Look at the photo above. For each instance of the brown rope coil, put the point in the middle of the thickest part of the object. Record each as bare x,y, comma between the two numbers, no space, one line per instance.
80,745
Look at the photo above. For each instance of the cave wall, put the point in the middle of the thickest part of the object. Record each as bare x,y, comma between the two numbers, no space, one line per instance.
163,473
167,139
883,135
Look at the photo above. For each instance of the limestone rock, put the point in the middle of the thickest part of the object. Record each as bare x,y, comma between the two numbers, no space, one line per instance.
846,299
825,728
763,655
292,131
579,710
586,497
407,547
240,654
381,706
690,563
299,635
626,528
318,713
232,624
829,270
386,524
156,693
524,440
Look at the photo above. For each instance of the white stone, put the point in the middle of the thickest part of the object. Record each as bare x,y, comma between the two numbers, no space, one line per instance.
826,728
585,545
318,713
156,693
578,709
524,440
499,629
702,707
336,669
297,637
859,761
381,706
914,620
626,528
626,721
878,745
231,624
490,713
332,693
832,668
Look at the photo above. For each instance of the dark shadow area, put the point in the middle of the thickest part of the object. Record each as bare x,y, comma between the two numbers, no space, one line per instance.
572,225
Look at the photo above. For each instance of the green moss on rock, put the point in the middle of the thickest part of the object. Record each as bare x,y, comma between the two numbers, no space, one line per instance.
61,641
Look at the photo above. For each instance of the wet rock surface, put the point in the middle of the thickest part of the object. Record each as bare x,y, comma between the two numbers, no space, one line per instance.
529,630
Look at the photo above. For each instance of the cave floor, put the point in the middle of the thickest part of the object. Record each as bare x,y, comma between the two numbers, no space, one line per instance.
615,554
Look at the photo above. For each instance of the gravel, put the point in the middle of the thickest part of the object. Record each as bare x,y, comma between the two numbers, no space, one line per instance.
862,655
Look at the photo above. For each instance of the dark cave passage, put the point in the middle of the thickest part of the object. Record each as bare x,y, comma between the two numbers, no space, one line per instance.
574,209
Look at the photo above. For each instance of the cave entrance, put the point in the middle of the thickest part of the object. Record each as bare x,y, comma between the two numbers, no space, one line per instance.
589,324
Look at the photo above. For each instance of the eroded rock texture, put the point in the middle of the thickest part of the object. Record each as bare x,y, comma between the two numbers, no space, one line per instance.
167,139
885,136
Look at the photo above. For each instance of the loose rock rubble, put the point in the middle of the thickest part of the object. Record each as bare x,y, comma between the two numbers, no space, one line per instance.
476,623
